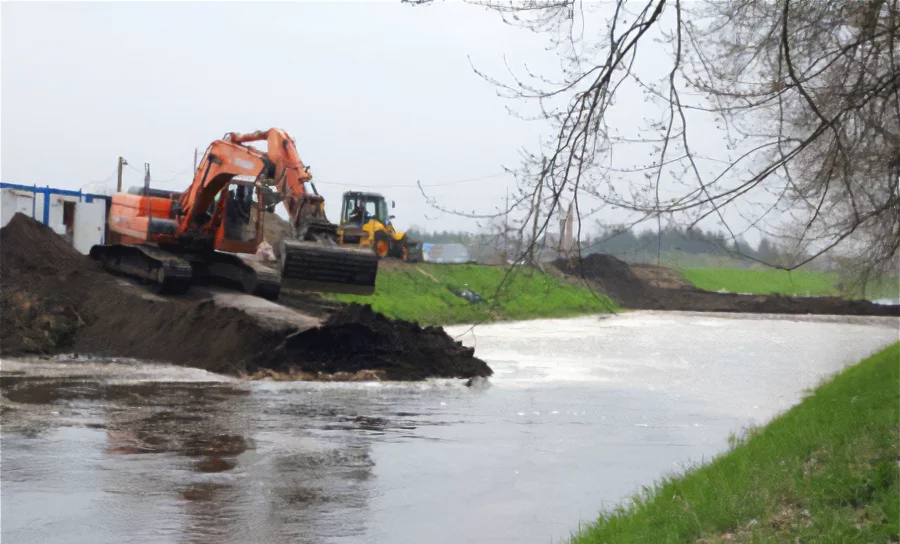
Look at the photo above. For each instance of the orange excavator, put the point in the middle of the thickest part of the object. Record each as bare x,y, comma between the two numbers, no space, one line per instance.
174,239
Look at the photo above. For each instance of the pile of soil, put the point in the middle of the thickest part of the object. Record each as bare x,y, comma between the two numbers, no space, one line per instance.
38,309
357,338
55,300
660,276
275,229
647,287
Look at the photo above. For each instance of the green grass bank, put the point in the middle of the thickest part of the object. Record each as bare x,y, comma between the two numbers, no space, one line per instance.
825,471
425,293
737,280
796,282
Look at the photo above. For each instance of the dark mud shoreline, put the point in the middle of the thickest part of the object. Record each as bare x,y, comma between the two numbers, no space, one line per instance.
645,287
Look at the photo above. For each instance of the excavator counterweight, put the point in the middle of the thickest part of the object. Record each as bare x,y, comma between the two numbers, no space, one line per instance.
172,239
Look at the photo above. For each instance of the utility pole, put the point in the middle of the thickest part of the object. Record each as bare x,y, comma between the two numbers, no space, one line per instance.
195,159
147,188
122,162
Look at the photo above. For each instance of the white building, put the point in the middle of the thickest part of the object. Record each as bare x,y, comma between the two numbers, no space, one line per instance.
78,217
445,253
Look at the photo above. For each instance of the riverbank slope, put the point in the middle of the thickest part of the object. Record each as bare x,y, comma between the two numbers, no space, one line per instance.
825,471
430,294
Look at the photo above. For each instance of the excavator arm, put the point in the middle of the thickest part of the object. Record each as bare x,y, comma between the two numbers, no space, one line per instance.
313,259
289,176
170,240
221,163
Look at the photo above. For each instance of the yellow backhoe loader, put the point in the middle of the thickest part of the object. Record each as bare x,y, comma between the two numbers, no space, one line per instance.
366,223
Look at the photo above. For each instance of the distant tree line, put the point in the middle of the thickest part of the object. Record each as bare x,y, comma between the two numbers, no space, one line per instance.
673,246
648,245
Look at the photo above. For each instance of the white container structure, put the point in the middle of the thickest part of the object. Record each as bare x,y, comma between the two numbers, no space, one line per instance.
78,217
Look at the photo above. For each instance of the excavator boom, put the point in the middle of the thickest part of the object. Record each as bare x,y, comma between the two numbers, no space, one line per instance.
172,239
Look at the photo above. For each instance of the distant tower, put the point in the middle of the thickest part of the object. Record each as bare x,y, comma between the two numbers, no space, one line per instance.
566,229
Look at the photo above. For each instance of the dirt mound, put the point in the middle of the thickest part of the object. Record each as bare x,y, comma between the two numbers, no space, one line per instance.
45,283
275,229
357,338
610,275
602,267
660,276
24,240
55,300
647,287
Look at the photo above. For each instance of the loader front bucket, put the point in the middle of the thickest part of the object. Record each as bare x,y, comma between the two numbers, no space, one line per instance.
310,266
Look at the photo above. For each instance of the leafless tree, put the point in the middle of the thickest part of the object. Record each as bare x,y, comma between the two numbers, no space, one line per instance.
805,95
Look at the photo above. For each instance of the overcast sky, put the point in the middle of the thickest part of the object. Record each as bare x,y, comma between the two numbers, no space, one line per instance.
377,95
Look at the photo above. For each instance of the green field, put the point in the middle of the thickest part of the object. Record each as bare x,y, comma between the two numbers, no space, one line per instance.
825,471
886,288
737,280
796,282
425,293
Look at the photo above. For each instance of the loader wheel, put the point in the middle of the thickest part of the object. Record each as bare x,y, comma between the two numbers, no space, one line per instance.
382,245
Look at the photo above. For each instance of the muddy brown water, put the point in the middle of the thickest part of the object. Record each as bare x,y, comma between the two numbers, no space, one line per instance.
579,414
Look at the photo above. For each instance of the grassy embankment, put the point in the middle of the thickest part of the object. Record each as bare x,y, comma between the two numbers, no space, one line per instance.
825,471
797,282
426,293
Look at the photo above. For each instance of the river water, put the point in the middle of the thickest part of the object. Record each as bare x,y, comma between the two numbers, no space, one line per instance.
579,415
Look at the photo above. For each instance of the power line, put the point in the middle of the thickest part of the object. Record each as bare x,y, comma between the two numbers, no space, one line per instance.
108,179
175,175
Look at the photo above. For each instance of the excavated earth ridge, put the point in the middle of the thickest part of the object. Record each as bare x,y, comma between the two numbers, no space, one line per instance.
647,287
54,300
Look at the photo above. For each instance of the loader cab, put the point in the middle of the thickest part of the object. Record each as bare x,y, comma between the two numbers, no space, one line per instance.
366,223
359,208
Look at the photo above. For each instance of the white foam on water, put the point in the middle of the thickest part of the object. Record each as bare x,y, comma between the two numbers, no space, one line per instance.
117,371
676,352
431,384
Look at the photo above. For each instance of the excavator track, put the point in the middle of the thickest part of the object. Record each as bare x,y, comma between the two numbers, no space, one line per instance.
169,273
249,276
312,266
174,272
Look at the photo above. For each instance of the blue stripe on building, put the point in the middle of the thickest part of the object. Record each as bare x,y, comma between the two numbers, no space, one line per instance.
47,191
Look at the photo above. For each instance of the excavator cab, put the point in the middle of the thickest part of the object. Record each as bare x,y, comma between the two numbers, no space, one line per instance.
366,223
242,229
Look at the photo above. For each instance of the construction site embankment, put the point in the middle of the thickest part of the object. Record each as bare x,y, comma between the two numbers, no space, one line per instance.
55,300
647,287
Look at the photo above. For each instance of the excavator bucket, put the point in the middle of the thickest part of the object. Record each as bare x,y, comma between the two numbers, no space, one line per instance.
311,266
